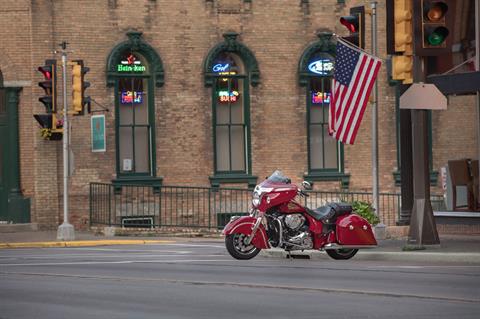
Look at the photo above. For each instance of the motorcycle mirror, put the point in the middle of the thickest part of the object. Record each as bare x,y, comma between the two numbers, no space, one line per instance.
307,185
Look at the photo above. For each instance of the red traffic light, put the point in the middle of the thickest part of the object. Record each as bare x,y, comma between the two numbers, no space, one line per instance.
435,11
351,22
46,71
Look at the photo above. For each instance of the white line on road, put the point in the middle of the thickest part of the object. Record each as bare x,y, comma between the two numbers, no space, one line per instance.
59,256
118,262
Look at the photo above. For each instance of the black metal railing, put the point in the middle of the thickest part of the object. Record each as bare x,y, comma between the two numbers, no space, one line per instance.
205,207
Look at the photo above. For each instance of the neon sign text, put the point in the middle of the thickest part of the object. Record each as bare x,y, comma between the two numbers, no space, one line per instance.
220,67
226,96
131,97
131,64
322,67
320,98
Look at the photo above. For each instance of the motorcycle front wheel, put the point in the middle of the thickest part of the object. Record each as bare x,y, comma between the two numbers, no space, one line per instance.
237,247
340,254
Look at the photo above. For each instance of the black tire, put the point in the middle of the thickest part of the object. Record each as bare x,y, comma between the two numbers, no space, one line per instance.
341,254
236,247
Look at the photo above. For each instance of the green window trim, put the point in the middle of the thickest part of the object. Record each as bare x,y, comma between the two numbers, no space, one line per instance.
343,178
397,173
218,179
154,78
249,76
323,45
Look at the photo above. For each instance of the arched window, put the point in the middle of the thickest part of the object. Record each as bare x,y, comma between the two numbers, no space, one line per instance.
230,68
134,123
230,121
133,68
325,154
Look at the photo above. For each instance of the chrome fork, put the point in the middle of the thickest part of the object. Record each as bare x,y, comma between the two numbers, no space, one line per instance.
254,230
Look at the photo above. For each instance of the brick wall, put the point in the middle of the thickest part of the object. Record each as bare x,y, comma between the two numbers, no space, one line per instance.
183,32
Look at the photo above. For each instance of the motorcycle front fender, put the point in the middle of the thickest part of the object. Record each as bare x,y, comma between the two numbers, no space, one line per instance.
244,225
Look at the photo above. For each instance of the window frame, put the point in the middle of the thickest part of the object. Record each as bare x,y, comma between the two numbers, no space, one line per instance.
151,130
246,127
324,44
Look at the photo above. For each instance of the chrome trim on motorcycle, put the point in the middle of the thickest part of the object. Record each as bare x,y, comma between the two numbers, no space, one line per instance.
280,236
337,246
249,239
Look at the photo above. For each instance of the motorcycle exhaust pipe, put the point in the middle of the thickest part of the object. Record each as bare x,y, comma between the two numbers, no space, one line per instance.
337,246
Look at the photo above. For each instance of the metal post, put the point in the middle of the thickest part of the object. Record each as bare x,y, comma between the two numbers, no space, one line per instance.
477,68
65,230
380,228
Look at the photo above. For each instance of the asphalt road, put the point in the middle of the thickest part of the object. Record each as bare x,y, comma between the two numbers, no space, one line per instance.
200,280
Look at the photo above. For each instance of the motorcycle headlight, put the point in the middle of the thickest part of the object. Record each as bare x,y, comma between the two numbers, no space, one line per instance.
256,199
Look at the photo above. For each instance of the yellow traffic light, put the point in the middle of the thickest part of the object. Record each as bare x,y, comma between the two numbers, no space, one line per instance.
77,90
403,30
402,68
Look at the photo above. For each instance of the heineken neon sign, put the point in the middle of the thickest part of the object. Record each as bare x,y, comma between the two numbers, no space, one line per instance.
131,64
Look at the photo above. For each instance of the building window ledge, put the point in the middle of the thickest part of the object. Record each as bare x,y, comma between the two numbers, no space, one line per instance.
218,179
398,179
155,182
343,178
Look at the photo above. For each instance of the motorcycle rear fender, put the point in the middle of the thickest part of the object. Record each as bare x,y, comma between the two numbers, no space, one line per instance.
244,225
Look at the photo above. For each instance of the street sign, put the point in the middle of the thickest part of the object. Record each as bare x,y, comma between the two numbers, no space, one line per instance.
423,96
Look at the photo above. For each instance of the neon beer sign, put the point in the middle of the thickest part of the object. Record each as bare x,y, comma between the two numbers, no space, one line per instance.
223,69
321,67
131,64
320,98
228,96
131,97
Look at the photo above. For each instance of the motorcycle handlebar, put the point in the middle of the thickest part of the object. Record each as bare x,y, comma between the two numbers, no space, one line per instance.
303,193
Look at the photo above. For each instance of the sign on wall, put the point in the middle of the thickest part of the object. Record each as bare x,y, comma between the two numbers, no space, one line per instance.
98,133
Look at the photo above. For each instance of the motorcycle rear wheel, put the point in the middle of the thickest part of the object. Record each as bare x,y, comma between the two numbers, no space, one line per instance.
238,249
341,254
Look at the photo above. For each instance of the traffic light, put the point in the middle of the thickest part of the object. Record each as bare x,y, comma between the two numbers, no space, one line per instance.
433,23
49,85
402,68
355,23
400,39
52,128
79,85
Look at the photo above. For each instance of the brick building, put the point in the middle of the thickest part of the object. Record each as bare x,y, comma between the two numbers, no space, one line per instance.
174,118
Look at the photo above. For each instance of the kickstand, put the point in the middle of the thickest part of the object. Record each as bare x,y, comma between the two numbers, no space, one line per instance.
289,255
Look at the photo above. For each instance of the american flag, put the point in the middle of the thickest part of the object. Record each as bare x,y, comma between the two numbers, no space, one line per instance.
355,73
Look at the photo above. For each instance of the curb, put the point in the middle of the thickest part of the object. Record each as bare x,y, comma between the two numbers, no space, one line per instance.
473,258
81,243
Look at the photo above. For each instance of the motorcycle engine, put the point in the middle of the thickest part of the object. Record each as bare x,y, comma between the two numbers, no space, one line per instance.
294,221
289,231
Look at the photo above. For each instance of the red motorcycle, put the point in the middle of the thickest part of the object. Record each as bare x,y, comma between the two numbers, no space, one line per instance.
277,220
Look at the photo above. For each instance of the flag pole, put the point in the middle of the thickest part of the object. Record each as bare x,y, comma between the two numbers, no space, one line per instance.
380,228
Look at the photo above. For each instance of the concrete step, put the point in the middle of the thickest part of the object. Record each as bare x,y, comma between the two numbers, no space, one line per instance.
13,228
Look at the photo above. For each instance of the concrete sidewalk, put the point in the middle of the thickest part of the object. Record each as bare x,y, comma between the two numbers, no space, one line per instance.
452,248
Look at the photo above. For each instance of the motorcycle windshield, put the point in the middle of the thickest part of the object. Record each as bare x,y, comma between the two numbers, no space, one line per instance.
278,177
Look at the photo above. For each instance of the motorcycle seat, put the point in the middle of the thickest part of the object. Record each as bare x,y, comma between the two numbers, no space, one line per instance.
329,213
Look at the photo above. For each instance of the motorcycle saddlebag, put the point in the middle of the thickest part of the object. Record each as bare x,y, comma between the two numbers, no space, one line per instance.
354,230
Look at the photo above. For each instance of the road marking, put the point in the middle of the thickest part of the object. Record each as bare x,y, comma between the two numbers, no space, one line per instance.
66,256
189,245
117,262
256,286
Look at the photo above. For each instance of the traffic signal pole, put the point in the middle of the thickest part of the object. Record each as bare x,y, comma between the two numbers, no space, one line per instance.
380,228
65,230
